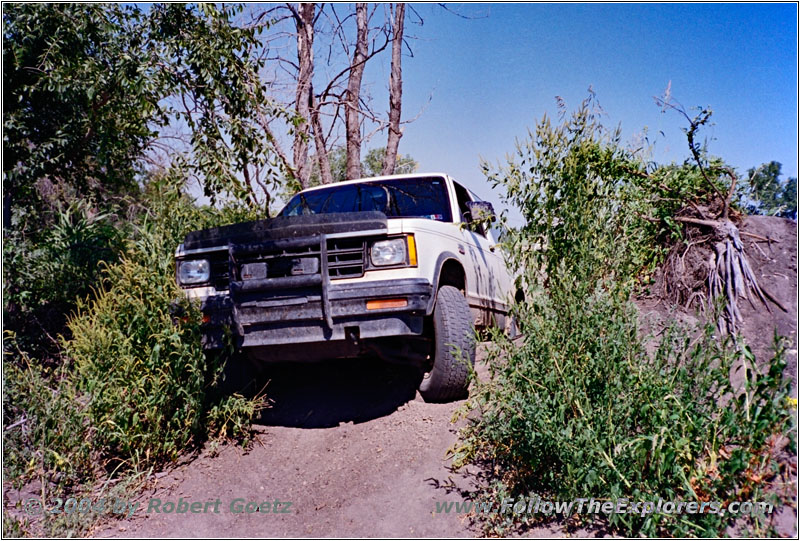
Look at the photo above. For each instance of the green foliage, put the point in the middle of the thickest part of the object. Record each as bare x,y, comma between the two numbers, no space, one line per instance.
145,374
765,193
49,438
371,166
657,197
579,407
89,86
570,182
231,415
136,389
211,84
79,104
45,272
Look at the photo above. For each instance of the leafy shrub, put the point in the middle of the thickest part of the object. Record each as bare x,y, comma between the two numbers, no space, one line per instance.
135,388
47,438
144,374
45,273
579,408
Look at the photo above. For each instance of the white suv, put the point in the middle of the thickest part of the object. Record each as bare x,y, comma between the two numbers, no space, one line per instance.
394,266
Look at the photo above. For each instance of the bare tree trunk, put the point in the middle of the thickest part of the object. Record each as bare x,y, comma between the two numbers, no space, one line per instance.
322,152
395,91
352,113
304,19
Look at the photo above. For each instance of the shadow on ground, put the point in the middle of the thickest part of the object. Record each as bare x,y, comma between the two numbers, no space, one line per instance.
328,393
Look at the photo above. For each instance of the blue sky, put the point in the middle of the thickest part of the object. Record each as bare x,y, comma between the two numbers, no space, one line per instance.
492,77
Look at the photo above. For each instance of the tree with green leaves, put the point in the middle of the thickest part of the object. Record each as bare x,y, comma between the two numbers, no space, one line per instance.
372,165
97,95
766,193
79,104
93,92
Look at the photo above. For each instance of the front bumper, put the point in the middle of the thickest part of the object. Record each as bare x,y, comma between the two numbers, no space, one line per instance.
299,311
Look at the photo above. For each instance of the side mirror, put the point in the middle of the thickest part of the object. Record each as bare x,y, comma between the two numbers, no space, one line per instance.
480,211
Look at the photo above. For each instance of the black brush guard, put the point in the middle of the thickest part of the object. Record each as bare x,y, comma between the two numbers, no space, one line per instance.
288,310
243,291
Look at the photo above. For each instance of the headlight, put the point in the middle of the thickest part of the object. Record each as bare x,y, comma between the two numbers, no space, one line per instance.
388,252
195,271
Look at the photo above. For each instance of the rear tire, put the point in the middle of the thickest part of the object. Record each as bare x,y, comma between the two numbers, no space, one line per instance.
454,349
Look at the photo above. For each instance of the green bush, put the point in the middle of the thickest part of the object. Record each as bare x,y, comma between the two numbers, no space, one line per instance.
48,439
134,388
45,272
579,408
143,373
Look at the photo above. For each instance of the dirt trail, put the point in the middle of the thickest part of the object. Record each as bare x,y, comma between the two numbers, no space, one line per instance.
350,444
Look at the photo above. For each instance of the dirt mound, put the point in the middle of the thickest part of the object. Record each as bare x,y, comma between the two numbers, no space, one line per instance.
775,265
770,245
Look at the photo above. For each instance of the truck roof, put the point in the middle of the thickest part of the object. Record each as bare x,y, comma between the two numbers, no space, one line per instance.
372,179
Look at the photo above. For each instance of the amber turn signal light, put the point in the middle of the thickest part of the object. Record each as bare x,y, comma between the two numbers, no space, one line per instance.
386,303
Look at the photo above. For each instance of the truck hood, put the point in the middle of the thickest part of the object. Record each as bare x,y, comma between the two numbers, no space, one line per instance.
286,228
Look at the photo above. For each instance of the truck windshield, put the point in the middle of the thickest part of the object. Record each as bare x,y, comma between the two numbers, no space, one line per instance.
397,198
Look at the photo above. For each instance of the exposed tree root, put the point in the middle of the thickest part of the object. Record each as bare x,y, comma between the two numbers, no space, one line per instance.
731,277
712,265
728,272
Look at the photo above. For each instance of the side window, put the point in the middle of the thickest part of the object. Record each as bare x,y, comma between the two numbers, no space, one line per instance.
462,196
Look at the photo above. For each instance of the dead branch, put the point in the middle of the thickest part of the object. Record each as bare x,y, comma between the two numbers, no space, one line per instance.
697,221
752,235
395,92
319,141
17,423
352,120
694,125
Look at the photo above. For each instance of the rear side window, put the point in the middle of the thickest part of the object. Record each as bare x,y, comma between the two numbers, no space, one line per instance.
397,198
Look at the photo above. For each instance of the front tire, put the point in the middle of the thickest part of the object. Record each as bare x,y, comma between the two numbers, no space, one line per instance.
454,349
